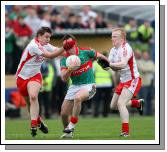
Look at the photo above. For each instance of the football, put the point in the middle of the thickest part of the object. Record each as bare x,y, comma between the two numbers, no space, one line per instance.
73,62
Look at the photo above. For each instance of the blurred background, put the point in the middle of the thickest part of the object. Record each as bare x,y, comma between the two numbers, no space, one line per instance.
92,26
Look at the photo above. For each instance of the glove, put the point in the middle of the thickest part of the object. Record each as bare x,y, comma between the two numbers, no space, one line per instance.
103,63
68,44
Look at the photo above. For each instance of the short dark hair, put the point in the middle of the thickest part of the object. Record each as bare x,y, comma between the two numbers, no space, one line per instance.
43,30
68,36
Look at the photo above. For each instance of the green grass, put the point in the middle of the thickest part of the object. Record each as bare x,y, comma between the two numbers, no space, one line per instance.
141,128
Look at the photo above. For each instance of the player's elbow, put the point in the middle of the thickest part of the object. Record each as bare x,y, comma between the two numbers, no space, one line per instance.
123,65
63,78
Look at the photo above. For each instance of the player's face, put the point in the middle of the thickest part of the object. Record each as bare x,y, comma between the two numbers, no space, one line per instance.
44,39
116,38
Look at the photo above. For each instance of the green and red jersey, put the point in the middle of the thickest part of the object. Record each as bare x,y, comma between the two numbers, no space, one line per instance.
83,75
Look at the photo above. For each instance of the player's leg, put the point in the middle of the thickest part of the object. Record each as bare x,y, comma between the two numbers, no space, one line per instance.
27,99
82,95
66,110
114,101
136,103
124,98
33,88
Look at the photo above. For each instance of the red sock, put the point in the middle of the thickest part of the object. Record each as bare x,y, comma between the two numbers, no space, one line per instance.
39,120
74,120
33,123
135,103
125,127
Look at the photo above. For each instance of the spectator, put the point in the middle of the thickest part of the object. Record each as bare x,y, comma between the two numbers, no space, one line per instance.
46,20
9,49
21,28
79,21
86,14
147,69
104,86
138,55
59,88
47,71
65,12
32,20
100,23
71,23
131,30
22,32
56,21
91,23
145,32
16,9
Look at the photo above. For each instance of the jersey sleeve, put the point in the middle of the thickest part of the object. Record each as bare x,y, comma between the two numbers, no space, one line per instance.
92,54
51,48
35,49
63,63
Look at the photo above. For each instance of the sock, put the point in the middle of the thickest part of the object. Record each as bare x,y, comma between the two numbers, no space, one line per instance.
39,120
33,123
135,103
125,127
74,120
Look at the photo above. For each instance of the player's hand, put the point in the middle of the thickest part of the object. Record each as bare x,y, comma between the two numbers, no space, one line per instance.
68,44
70,69
103,63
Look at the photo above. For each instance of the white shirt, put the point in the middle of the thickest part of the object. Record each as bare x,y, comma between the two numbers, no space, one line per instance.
130,71
32,59
86,17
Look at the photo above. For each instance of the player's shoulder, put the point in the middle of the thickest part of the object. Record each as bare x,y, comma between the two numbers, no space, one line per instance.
127,46
85,48
33,44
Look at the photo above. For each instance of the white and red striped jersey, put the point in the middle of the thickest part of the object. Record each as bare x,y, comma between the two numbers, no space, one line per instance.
32,59
130,71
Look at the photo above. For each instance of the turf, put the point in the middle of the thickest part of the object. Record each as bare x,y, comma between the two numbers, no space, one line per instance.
141,128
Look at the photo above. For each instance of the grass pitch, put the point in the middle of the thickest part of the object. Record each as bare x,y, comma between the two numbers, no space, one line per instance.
141,128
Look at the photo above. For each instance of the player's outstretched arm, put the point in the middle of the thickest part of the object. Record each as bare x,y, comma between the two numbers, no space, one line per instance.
53,54
103,61
67,44
101,56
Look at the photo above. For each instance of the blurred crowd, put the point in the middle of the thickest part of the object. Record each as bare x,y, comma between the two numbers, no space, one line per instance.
21,24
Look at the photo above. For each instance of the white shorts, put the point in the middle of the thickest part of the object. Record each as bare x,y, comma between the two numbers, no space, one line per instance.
73,89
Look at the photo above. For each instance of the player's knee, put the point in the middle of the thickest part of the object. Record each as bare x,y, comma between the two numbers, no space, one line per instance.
33,97
120,104
77,99
112,106
63,113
